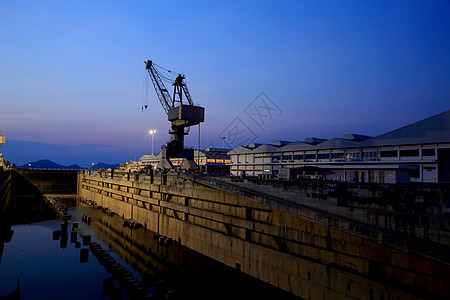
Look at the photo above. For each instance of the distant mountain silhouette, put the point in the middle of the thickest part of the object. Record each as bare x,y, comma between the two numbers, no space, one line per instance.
48,164
102,165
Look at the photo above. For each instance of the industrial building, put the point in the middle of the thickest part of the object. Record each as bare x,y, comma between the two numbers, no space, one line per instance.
419,152
212,161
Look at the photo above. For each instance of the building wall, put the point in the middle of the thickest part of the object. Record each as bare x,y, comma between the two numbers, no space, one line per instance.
365,160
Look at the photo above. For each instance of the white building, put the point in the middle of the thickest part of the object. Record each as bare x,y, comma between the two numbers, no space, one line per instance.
419,152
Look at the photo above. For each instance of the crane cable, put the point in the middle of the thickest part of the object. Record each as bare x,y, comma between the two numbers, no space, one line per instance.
166,69
145,82
164,77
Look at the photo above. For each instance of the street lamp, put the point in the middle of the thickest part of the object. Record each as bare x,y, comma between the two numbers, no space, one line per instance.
152,133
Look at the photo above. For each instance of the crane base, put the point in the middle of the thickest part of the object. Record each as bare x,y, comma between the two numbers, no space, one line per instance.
189,165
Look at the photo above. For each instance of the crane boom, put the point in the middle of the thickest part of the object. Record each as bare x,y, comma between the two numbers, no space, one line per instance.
161,91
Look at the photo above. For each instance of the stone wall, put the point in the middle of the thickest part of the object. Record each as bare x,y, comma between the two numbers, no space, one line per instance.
416,210
49,181
308,252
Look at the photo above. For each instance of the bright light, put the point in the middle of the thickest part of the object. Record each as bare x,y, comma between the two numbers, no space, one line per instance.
152,133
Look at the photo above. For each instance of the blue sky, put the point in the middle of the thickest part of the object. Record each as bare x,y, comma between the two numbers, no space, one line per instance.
72,72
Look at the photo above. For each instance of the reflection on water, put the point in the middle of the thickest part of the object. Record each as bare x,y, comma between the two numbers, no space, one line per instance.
46,270
51,268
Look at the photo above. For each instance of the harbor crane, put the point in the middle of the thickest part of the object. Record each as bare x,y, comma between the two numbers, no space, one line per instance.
182,113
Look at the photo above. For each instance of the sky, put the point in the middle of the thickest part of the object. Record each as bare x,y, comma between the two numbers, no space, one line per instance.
72,73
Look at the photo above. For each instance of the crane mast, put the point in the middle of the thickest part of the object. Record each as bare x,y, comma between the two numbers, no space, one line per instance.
179,114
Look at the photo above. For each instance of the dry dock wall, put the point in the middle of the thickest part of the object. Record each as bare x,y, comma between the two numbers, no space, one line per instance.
306,252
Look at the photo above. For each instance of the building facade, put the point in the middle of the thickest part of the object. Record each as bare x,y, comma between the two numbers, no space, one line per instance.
213,161
419,152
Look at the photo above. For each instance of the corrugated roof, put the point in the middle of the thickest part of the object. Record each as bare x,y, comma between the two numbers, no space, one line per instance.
296,146
239,150
356,137
314,140
265,148
337,143
435,129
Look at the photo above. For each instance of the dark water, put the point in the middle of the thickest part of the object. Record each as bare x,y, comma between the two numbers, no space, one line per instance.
45,270
51,269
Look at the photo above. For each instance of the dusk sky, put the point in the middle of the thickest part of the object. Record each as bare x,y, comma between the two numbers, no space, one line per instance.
72,72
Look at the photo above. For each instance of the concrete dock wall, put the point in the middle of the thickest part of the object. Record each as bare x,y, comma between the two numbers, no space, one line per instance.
415,210
59,182
303,251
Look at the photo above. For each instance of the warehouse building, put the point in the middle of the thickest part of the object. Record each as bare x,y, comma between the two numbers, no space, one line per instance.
419,152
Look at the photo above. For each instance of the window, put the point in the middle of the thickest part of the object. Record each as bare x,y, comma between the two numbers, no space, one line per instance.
352,155
298,157
323,156
412,152
337,155
369,154
310,156
428,152
415,172
372,155
278,157
287,157
388,153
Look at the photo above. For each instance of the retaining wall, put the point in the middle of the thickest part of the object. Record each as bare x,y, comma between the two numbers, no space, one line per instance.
308,252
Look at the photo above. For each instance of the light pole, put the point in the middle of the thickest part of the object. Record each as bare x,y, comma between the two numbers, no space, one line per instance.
152,133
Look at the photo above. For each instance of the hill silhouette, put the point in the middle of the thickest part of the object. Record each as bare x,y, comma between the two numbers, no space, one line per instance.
48,164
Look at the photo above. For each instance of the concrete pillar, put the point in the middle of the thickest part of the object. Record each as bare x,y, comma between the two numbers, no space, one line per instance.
108,285
73,236
84,255
56,235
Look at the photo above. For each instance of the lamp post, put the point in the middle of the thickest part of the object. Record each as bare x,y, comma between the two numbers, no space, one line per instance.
152,133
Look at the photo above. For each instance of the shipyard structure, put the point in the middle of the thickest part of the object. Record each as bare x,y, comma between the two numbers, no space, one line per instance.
334,238
419,152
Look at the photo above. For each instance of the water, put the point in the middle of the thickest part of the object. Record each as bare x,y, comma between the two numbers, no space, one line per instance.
51,269
45,270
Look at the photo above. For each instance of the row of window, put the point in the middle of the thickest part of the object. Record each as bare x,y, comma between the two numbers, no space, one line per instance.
354,155
407,153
